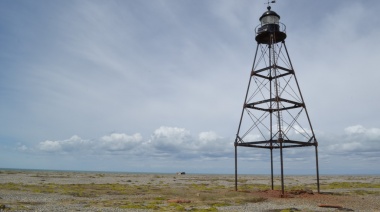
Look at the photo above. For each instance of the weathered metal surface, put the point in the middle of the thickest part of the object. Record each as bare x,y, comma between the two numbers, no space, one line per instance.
274,114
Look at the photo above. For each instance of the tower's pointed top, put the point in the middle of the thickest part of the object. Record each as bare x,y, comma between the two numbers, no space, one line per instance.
269,8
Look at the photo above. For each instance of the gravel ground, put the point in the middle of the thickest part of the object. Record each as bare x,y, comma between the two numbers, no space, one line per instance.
32,201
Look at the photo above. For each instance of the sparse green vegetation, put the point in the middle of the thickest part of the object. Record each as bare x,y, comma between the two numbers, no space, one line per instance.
160,193
285,210
202,197
350,185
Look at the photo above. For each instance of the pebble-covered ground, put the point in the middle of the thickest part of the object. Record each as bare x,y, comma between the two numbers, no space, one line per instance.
80,191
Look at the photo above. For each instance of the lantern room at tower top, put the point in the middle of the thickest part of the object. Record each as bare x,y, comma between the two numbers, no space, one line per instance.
270,28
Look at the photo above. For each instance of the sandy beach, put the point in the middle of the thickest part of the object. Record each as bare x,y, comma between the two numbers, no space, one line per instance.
90,191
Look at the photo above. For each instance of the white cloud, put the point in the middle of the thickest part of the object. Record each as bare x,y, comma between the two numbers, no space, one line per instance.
356,143
208,136
360,132
120,141
179,134
169,142
356,140
73,144
300,130
50,146
355,129
171,139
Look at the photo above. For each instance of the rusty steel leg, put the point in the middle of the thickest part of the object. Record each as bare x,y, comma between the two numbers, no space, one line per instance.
235,166
282,171
271,167
317,166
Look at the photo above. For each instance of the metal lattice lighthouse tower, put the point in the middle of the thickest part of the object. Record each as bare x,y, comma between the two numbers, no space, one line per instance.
274,114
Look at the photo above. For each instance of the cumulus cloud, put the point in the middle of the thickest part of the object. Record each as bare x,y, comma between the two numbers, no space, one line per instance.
360,132
355,129
120,141
208,136
50,146
173,142
178,145
73,144
355,140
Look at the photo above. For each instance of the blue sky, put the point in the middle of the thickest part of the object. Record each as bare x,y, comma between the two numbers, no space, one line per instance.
158,86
